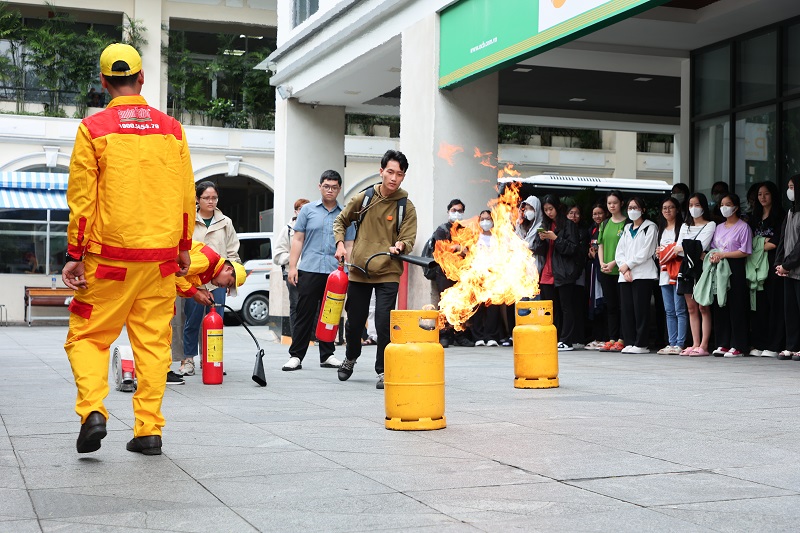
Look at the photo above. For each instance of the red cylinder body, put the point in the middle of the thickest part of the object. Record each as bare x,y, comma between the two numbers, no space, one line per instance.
330,311
211,355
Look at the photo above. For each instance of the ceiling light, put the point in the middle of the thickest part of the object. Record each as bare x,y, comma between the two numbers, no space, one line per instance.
642,79
285,91
522,69
394,69
577,99
352,92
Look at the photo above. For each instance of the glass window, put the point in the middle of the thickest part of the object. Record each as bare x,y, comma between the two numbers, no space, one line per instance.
756,69
755,148
304,9
791,139
712,80
711,153
791,73
26,245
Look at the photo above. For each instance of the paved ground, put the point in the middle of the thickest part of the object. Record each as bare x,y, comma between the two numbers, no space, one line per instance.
627,443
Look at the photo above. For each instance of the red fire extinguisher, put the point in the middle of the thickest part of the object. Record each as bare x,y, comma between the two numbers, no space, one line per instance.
212,348
331,309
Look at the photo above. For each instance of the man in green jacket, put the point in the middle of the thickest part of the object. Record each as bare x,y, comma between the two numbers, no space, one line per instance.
377,232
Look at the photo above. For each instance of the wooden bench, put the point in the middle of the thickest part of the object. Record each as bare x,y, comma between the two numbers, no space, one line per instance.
46,297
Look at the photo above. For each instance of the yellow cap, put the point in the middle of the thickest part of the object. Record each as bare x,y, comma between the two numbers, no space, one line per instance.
120,60
241,273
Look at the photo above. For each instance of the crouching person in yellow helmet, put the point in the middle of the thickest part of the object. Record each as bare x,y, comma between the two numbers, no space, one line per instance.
208,267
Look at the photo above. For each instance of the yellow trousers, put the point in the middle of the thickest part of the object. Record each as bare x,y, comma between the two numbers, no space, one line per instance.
122,293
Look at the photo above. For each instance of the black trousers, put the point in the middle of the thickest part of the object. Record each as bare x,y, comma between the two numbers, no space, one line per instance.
791,292
548,292
611,297
767,325
730,322
566,299
293,297
358,296
487,323
310,293
581,303
635,306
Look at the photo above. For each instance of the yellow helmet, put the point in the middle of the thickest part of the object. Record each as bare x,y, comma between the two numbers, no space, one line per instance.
241,273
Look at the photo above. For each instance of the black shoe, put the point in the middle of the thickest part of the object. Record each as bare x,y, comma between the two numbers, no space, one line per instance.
346,370
445,343
92,432
150,445
463,341
379,384
174,379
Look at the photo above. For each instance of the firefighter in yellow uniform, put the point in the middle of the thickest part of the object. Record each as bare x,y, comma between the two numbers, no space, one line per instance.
131,200
208,267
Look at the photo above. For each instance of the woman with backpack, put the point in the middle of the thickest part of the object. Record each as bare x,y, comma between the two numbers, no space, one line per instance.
698,228
637,275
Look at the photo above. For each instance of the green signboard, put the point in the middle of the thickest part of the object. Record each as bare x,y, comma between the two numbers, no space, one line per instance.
481,36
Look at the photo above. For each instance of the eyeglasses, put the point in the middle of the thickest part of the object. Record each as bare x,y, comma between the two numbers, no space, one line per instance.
210,198
668,208
329,187
457,211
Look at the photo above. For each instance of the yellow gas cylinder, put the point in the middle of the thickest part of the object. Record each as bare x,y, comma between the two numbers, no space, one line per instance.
535,346
414,372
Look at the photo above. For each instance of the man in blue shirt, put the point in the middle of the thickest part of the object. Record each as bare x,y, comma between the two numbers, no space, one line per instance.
313,241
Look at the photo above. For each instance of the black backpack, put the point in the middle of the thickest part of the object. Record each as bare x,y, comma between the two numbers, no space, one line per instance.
369,192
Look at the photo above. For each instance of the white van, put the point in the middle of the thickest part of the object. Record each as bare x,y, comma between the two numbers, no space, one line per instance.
252,299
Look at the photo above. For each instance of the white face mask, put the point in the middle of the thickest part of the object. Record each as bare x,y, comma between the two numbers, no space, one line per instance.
634,214
679,196
486,225
790,194
530,214
727,210
696,212
455,215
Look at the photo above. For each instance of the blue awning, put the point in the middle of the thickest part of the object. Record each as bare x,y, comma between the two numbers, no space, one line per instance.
33,190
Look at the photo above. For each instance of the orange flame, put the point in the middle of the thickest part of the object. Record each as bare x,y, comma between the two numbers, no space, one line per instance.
507,170
448,151
486,158
498,275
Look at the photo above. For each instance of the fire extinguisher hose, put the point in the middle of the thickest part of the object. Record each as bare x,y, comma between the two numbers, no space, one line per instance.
258,372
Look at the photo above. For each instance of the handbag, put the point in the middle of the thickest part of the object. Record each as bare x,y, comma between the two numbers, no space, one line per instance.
691,266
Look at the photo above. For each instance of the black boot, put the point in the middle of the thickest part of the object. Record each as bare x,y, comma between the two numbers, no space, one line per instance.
92,432
150,445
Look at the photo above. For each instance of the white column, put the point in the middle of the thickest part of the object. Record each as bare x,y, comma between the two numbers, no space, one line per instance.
308,141
465,117
148,14
625,146
682,144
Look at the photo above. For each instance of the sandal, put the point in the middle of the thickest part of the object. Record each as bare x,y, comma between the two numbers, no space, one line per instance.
368,342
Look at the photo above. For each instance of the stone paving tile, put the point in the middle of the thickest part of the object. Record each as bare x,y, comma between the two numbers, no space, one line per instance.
19,526
678,488
731,516
15,504
191,518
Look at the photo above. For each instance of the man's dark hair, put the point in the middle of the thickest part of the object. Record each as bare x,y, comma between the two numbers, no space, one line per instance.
330,175
721,187
455,201
394,155
118,82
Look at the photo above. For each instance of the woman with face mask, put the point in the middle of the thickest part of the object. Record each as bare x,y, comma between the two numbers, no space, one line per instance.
563,263
607,239
700,228
637,275
669,224
528,224
766,322
680,191
732,242
487,327
787,266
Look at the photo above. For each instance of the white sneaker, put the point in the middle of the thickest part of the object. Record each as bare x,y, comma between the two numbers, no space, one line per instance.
564,347
330,362
666,350
490,343
186,369
638,349
733,352
627,349
480,343
293,363
769,353
755,352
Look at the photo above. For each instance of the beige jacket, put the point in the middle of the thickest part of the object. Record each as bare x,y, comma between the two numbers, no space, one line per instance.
220,235
377,233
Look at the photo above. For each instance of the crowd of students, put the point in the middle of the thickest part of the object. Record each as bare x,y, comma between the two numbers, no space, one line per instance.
723,275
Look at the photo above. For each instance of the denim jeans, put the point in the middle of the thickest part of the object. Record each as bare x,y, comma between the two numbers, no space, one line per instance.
675,307
194,314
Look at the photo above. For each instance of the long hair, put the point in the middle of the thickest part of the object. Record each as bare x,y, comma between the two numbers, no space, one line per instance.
662,222
795,206
735,200
775,212
639,203
561,216
703,201
201,187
